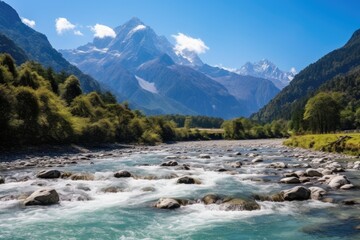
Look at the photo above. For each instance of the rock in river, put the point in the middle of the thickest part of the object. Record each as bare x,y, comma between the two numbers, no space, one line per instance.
49,174
82,176
167,203
207,156
338,181
188,180
290,180
238,204
122,174
169,164
310,172
2,180
43,196
317,192
297,193
211,199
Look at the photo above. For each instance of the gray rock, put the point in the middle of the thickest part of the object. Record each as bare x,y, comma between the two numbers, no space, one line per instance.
171,157
49,174
317,192
122,174
167,203
290,180
186,180
237,204
211,199
313,172
2,180
297,193
257,159
236,164
290,174
43,196
82,176
347,186
304,179
169,164
338,181
207,156
278,165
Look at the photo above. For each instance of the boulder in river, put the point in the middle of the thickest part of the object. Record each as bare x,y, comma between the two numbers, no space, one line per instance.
238,204
298,193
257,159
187,180
122,174
2,180
237,164
278,165
338,181
43,196
167,203
206,156
171,157
347,186
211,199
317,192
49,174
82,176
310,172
169,164
290,180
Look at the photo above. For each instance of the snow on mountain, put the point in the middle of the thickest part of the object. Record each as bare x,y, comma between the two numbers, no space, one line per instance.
148,86
268,70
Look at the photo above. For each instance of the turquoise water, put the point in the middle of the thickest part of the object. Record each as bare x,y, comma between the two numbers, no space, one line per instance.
129,214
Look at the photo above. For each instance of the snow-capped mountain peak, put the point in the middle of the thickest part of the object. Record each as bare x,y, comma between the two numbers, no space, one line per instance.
268,70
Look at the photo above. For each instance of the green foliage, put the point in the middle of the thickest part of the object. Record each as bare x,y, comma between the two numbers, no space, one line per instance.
70,89
195,121
323,112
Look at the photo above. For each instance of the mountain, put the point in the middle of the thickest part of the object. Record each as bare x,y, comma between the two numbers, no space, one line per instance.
294,97
145,69
148,71
255,92
268,70
8,46
37,47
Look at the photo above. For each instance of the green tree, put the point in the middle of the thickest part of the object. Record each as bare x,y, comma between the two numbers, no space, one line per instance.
70,89
322,112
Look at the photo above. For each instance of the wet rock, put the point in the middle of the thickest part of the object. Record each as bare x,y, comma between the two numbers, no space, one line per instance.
290,180
49,174
169,164
111,190
327,172
237,204
167,203
122,174
222,170
187,180
300,173
328,200
82,176
347,186
237,153
310,172
318,160
349,202
277,165
211,199
257,159
66,174
171,157
42,197
206,156
317,192
184,167
148,189
236,164
304,179
2,180
338,181
290,174
297,193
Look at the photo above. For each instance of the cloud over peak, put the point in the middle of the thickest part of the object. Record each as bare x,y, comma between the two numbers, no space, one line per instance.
62,25
186,43
30,23
102,31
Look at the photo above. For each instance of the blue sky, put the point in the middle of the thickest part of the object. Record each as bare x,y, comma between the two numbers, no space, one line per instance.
291,33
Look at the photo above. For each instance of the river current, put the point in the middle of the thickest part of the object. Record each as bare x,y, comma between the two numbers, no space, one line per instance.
88,211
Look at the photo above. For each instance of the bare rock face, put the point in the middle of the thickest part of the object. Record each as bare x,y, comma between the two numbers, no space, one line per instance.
167,203
43,196
49,174
297,193
123,174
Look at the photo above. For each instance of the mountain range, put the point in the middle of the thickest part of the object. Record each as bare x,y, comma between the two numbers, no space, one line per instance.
145,69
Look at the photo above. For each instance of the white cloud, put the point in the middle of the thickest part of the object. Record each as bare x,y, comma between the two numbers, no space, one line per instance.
187,43
63,25
30,23
293,70
102,31
78,33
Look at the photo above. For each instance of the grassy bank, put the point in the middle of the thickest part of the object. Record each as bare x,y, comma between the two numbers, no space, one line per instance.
347,143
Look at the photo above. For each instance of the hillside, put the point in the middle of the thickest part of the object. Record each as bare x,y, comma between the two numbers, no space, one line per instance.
8,46
37,47
307,82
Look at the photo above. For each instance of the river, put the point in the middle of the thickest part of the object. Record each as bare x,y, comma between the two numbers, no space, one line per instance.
89,210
